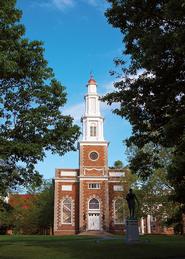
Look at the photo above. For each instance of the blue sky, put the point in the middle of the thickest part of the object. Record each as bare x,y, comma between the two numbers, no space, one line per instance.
78,39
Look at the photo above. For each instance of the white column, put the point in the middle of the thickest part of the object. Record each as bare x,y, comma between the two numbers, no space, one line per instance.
142,226
86,106
148,224
92,114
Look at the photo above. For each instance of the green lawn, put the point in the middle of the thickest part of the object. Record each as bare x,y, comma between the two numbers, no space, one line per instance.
82,247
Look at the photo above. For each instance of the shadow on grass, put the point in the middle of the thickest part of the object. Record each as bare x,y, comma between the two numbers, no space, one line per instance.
83,247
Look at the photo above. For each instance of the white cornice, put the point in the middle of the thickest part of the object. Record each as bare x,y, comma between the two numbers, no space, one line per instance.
101,178
86,116
60,180
93,143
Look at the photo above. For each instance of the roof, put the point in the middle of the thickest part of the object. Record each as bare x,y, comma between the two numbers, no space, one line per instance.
92,82
20,199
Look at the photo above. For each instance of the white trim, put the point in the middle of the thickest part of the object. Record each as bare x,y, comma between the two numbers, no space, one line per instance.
90,169
94,211
93,178
83,178
56,203
68,173
117,174
66,180
92,117
118,188
67,188
98,143
116,181
86,167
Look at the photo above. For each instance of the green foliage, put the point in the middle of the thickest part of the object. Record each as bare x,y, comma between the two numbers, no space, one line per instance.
154,196
5,216
150,91
156,192
31,120
176,220
118,164
33,215
176,174
44,208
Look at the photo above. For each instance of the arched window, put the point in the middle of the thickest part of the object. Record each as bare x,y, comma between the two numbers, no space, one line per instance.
118,211
94,204
67,211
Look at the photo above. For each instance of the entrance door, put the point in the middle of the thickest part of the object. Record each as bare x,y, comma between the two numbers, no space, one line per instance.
94,221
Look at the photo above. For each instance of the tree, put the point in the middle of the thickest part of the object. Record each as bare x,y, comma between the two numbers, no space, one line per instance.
155,193
5,216
44,208
150,89
118,164
14,216
31,99
30,213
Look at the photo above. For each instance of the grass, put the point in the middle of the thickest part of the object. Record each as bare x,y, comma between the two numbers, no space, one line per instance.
82,247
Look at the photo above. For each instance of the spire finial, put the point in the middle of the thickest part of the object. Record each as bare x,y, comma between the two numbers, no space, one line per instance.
91,75
92,80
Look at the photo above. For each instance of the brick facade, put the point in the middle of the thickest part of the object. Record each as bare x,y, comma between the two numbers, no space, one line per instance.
76,184
93,196
152,225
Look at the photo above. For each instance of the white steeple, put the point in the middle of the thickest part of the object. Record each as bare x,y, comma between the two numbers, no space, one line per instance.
92,119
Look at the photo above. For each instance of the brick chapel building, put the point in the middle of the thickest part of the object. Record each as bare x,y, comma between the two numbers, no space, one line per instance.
90,198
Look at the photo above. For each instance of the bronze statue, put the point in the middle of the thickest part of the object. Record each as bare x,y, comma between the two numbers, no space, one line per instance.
131,198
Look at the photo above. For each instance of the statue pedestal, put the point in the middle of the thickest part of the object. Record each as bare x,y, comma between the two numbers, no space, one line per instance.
132,230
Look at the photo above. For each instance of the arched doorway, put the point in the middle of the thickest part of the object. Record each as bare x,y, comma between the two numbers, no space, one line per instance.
94,214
